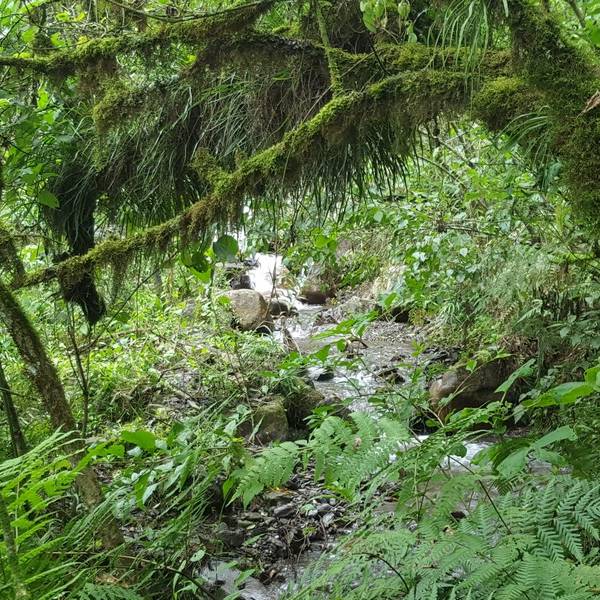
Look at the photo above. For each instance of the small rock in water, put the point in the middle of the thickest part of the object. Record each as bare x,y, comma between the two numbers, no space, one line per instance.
392,374
280,308
284,511
320,373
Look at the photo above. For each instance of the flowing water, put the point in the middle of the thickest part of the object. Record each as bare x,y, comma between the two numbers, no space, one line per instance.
385,346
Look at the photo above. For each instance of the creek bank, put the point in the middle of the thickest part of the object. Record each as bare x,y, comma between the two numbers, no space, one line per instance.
287,530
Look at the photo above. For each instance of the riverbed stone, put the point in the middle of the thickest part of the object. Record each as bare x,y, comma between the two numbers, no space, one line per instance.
300,399
470,389
273,420
281,308
249,308
311,294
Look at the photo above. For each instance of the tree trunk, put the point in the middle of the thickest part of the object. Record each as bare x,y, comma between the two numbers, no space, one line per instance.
43,374
16,434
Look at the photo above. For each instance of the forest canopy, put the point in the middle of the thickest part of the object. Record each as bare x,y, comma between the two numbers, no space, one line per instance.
173,118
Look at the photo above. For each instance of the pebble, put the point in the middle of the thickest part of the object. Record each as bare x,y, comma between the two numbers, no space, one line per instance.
276,497
324,508
328,519
254,516
284,511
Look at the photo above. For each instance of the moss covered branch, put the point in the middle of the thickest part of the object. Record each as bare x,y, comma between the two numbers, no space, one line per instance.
408,99
566,76
194,32
266,54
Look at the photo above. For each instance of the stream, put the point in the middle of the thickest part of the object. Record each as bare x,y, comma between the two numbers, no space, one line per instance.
386,350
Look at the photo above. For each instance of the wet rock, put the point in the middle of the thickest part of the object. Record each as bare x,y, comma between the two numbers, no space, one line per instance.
469,389
251,262
446,356
241,282
281,308
392,374
286,510
320,373
236,274
253,516
249,308
300,399
294,483
327,520
273,420
232,538
276,497
221,579
324,508
311,295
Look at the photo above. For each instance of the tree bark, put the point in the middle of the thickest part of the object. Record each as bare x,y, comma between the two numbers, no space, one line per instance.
16,434
44,376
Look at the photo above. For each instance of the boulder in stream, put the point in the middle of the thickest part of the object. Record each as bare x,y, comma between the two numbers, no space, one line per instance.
281,308
469,389
250,309
313,295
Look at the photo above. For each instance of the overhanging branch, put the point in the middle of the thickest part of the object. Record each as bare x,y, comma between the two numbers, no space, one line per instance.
194,32
412,98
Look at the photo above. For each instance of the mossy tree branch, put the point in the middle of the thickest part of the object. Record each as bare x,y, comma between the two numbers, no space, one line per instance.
411,98
566,76
195,32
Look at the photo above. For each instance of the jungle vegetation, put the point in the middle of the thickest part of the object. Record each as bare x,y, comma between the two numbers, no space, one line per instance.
441,159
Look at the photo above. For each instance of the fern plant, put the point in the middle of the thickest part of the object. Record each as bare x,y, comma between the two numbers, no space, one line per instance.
536,544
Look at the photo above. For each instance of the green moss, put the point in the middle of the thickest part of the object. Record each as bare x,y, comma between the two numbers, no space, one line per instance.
102,52
499,101
273,421
9,257
541,51
341,124
118,104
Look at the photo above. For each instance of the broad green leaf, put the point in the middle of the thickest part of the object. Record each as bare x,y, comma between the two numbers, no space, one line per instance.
592,376
566,393
47,198
323,353
143,439
523,371
514,463
562,433
225,248
321,241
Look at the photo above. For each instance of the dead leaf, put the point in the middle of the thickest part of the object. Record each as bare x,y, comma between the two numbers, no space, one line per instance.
592,103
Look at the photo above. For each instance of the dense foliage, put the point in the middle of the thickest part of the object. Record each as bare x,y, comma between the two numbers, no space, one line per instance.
429,170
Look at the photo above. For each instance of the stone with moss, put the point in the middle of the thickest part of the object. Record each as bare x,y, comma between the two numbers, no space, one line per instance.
300,400
272,421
